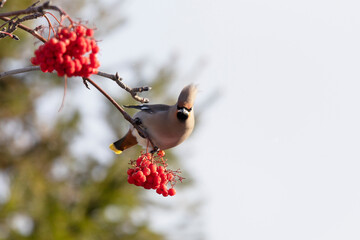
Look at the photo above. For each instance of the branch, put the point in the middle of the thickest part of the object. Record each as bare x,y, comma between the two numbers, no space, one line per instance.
20,70
34,12
133,91
33,9
27,29
141,131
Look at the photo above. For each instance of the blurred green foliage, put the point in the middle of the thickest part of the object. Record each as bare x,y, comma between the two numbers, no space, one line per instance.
53,194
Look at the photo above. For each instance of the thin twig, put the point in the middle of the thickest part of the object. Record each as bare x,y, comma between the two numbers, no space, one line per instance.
20,70
127,117
133,91
32,12
13,36
116,78
27,29
33,9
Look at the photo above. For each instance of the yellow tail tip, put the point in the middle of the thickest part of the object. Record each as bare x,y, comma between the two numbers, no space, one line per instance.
115,150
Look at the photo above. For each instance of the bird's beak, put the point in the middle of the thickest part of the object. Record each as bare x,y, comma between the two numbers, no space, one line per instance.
183,111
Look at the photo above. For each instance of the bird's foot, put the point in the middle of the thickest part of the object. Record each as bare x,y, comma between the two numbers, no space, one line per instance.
138,121
155,149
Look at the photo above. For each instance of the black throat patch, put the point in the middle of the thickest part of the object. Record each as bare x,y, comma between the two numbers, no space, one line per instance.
182,116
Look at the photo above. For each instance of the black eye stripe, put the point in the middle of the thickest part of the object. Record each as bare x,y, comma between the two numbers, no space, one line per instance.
188,109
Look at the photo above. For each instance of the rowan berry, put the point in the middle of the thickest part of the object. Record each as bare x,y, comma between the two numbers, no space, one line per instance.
157,180
160,169
172,191
138,161
130,171
131,180
89,32
153,168
147,185
146,171
161,153
72,51
145,163
150,171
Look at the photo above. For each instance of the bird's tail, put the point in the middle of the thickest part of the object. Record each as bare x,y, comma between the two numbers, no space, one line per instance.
124,143
113,148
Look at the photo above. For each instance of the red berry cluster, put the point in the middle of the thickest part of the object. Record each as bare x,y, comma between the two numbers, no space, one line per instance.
72,51
150,171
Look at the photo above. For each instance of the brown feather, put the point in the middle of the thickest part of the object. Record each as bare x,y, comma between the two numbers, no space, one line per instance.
126,142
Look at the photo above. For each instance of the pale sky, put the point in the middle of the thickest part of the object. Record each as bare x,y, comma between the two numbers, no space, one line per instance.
277,155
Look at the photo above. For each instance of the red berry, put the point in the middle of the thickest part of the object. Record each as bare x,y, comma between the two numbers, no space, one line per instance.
139,174
147,185
48,53
53,41
155,186
44,67
72,36
95,49
89,32
172,191
163,187
146,171
145,163
138,161
142,179
163,178
138,183
95,70
153,168
147,174
148,156
161,153
157,180
160,169
130,171
65,53
78,65
60,73
65,31
80,30
131,180
34,61
150,179
59,59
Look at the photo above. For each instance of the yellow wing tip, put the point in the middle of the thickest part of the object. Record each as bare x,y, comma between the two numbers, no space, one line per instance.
114,149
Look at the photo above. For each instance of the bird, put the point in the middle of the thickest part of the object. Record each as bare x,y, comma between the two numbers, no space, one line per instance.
166,125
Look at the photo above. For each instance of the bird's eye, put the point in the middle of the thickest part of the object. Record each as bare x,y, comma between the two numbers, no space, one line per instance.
188,109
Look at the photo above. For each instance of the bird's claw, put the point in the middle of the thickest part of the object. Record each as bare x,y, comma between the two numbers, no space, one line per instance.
137,121
155,149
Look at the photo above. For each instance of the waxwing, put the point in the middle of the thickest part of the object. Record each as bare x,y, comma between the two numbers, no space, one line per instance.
167,126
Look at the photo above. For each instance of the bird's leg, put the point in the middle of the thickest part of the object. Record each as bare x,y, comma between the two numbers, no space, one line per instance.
155,149
137,121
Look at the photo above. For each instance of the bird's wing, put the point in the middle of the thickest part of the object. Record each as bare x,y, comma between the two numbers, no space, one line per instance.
150,108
